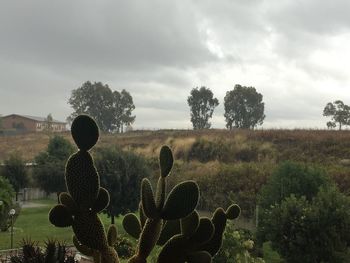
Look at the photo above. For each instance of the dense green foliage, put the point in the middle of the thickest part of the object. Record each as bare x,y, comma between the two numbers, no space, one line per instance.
6,195
15,171
243,108
112,110
237,247
202,104
292,178
120,172
311,231
49,172
289,178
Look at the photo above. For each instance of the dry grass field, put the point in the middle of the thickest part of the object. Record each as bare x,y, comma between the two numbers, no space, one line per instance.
317,144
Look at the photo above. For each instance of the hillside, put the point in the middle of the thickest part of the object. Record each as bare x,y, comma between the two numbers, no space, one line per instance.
228,146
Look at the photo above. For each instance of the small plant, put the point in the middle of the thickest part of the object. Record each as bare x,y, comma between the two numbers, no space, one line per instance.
54,252
169,220
124,247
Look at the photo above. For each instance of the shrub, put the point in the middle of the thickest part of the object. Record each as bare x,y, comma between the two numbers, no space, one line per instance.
237,246
124,247
287,179
6,195
311,231
204,150
292,178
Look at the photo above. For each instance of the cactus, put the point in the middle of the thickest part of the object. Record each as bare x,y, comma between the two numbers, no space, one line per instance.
199,239
180,202
85,198
169,220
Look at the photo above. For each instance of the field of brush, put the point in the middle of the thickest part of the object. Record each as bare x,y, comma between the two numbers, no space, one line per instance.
228,165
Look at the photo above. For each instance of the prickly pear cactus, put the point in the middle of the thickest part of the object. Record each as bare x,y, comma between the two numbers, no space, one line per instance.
199,239
168,220
155,209
85,198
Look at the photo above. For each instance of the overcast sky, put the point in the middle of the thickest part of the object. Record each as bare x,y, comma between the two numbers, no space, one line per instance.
296,53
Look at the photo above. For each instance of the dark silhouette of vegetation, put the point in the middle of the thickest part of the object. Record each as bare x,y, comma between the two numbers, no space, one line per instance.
6,195
202,104
243,108
15,171
119,172
112,110
49,172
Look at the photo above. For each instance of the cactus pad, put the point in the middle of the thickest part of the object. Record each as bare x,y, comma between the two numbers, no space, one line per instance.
132,225
84,132
165,161
181,201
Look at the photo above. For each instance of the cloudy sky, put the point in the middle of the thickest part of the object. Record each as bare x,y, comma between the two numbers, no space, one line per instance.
296,53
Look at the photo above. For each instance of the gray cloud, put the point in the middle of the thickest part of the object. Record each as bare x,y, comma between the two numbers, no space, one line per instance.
293,52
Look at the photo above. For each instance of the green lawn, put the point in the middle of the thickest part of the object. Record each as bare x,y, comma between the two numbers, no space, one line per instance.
34,223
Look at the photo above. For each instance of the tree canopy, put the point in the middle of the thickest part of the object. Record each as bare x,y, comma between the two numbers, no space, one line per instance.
202,104
112,110
121,173
243,108
339,112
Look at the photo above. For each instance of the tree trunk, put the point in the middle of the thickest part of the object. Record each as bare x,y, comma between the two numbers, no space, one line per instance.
112,219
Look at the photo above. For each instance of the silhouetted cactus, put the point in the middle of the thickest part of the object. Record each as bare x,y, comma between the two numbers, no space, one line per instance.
164,219
85,198
180,202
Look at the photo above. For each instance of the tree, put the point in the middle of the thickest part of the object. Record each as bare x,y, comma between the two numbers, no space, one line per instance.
202,104
110,109
49,172
339,112
243,108
121,174
15,171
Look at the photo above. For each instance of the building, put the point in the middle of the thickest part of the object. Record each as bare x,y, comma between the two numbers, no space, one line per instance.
31,123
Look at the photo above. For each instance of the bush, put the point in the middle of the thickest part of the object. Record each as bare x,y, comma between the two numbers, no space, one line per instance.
124,247
292,178
6,195
289,178
205,150
237,246
121,174
316,231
